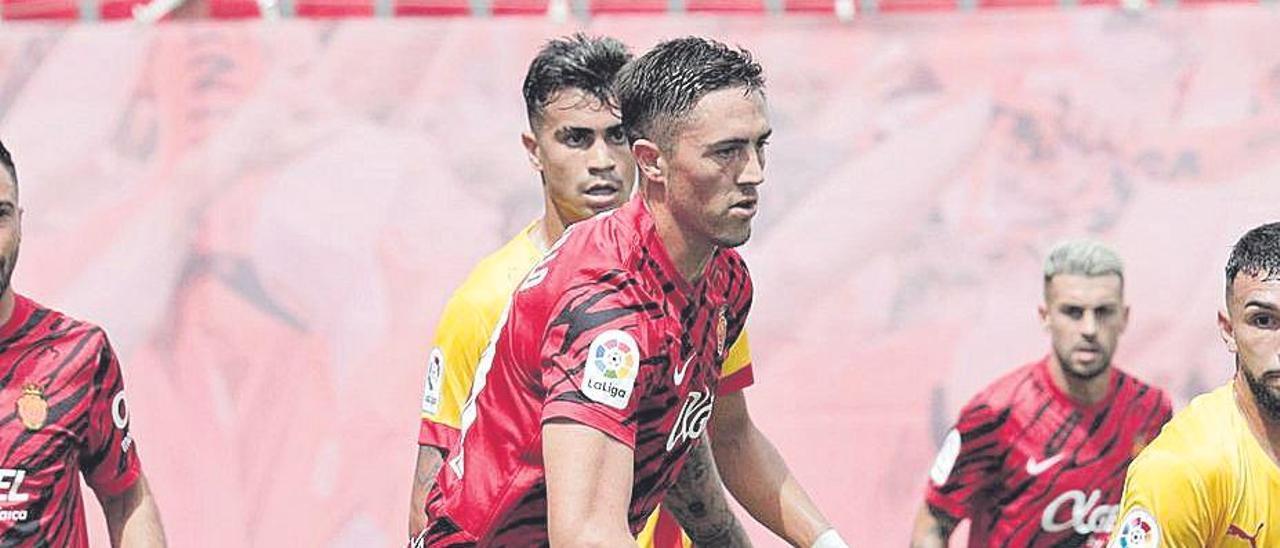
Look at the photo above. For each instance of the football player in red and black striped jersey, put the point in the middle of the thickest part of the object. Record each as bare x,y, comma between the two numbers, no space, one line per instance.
602,376
63,413
1039,457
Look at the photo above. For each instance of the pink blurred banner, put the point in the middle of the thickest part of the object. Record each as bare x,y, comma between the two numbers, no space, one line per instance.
268,217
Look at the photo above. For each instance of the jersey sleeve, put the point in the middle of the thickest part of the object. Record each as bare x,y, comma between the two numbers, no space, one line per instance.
110,463
460,339
1165,503
735,373
968,461
593,356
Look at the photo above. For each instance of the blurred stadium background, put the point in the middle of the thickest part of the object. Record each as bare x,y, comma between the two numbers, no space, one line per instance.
266,204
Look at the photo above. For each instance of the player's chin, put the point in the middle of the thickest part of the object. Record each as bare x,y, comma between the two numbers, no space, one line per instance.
733,237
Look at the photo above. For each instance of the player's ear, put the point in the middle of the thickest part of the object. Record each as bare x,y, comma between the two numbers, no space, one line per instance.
531,150
1226,331
649,160
1043,311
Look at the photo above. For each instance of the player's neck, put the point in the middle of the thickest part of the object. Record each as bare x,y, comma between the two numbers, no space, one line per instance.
7,303
547,229
687,251
1081,391
1265,429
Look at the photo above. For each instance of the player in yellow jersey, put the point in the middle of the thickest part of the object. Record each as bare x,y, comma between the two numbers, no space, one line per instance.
1212,476
576,143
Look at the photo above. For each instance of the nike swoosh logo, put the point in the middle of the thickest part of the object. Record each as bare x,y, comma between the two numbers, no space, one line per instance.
678,375
1036,468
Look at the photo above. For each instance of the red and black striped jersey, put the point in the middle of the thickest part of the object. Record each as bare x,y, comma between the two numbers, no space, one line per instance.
1031,467
603,332
63,412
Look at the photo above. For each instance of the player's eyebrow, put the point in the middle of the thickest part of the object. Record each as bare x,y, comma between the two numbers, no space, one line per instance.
739,141
1262,304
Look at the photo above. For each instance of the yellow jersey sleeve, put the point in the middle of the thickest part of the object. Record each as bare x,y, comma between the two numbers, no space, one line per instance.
1165,503
735,372
461,337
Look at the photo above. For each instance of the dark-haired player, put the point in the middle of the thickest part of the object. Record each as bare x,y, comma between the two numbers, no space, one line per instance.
603,376
64,414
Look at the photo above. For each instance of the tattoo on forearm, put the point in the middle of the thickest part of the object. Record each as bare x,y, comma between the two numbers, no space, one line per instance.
427,477
943,524
697,500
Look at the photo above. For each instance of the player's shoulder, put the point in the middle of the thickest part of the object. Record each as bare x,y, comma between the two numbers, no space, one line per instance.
1133,387
605,249
1198,438
497,275
1007,389
44,321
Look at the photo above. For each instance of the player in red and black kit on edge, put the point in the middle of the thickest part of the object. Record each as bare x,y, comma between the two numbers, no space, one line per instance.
63,412
1039,457
602,374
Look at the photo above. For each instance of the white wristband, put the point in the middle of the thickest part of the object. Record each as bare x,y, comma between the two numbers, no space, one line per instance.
829,539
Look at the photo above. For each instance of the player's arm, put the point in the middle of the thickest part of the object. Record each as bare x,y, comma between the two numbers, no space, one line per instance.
1167,501
133,520
589,478
698,503
424,477
933,528
759,479
461,336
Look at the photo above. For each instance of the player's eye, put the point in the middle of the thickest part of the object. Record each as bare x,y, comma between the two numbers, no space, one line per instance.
1264,321
1104,312
1073,312
615,136
576,138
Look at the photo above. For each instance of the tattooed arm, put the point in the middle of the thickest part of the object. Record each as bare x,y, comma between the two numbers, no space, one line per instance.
424,477
933,528
698,503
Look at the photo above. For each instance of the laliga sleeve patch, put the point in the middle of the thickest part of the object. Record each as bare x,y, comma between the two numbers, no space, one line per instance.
609,376
435,379
1138,530
946,459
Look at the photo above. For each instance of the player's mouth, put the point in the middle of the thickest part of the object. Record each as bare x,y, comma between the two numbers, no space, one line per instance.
1087,354
603,194
744,209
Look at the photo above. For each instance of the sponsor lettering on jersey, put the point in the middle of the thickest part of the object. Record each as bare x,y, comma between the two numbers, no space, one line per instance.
692,420
1086,516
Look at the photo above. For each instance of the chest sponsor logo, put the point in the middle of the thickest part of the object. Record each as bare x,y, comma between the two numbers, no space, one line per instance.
609,376
431,389
1138,530
11,491
692,420
1083,514
1036,468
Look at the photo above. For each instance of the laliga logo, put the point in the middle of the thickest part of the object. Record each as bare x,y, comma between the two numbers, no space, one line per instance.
1087,516
692,420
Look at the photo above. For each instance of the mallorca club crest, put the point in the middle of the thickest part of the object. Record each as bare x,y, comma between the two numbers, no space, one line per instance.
33,409
722,330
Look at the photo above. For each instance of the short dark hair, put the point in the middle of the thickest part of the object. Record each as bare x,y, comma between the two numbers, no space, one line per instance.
663,85
588,63
1256,254
6,160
